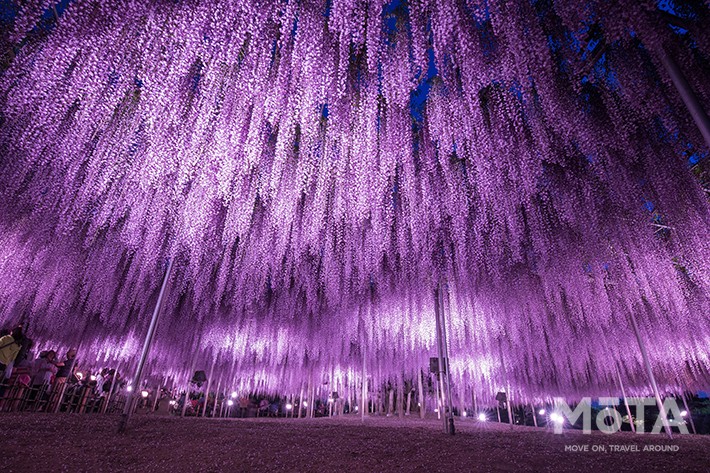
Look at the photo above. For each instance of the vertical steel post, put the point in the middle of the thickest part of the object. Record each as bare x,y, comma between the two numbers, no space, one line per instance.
128,408
510,406
651,377
422,404
363,397
207,388
444,306
445,385
688,413
626,401
300,401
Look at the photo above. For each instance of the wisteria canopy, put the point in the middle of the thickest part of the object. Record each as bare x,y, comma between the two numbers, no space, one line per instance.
315,168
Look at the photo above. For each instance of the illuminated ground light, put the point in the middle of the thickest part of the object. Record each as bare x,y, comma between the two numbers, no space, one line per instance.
557,418
482,417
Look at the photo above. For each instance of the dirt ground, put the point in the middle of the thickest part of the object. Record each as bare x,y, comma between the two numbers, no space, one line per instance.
76,443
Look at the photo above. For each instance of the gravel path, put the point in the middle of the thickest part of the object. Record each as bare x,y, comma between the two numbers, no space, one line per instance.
49,443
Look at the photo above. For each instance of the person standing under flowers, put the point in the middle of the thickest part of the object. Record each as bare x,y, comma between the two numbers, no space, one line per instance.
65,371
10,346
44,370
66,368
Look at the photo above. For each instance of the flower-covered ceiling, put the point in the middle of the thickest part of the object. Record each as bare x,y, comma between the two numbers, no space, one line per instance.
315,168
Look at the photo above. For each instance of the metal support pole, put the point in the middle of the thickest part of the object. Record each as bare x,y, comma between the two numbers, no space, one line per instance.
207,388
443,307
400,397
532,406
350,396
111,392
363,397
422,404
157,395
187,399
626,401
409,402
439,402
300,401
332,386
215,412
686,93
443,358
510,406
128,408
311,400
688,413
473,400
652,378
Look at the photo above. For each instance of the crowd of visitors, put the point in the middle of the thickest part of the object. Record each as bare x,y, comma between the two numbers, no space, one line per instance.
42,383
50,383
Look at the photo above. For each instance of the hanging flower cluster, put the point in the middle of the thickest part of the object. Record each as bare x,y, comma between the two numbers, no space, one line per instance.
315,168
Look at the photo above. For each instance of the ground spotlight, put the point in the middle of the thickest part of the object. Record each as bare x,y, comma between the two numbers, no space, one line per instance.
482,417
289,406
230,403
541,412
144,393
683,413
557,418
234,394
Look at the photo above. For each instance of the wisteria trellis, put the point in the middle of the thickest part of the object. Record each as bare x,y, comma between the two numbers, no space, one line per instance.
275,150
